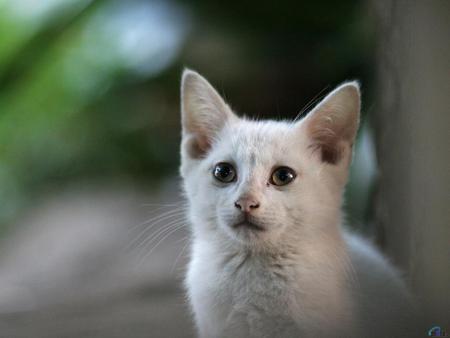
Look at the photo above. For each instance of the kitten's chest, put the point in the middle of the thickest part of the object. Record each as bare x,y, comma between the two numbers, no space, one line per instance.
240,295
242,283
256,282
257,296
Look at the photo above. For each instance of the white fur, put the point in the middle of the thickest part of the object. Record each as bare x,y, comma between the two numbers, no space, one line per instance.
303,276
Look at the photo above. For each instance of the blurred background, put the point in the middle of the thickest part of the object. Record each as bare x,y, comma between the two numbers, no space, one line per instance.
92,237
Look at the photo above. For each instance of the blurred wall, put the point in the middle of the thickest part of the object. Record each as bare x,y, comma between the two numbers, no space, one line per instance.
412,127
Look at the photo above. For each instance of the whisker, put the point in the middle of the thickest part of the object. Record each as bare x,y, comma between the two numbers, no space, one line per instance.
182,239
311,102
180,254
180,209
142,238
164,227
168,205
147,229
155,213
159,220
159,216
142,247
162,239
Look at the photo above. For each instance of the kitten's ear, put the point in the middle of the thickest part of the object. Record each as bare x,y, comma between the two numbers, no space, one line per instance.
204,113
332,125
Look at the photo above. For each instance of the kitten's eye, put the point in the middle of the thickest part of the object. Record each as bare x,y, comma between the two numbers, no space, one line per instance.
282,176
224,172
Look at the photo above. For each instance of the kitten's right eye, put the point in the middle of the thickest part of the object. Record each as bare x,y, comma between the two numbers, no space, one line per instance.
224,172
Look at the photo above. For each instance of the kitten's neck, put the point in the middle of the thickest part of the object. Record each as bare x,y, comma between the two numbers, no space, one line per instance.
322,247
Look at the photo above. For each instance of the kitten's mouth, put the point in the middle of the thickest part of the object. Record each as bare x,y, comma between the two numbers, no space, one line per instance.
249,225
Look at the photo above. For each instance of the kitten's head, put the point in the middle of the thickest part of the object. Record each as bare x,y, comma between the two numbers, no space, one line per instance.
255,181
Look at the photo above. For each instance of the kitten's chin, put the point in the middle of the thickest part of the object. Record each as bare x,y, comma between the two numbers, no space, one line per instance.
246,230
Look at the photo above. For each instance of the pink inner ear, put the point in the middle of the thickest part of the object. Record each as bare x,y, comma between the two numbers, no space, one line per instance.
197,146
327,138
203,144
330,153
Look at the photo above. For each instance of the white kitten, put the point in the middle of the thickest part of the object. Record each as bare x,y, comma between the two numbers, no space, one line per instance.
269,256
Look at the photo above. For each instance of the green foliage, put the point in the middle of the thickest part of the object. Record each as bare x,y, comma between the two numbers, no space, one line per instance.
90,88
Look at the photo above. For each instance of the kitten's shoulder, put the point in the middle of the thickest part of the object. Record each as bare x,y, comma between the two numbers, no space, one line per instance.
368,261
383,300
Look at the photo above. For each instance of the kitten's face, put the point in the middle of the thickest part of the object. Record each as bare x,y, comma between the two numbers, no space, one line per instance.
254,181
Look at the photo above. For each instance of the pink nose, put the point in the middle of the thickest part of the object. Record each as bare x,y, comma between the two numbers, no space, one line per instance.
246,204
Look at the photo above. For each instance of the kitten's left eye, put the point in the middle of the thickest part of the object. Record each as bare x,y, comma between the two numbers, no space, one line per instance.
282,176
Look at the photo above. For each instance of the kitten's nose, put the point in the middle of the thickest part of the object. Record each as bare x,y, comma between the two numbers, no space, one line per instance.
246,204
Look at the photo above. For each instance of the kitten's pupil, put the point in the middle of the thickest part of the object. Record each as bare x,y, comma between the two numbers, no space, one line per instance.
224,172
283,175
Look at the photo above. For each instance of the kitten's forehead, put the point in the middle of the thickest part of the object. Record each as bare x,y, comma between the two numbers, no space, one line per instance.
257,141
256,133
